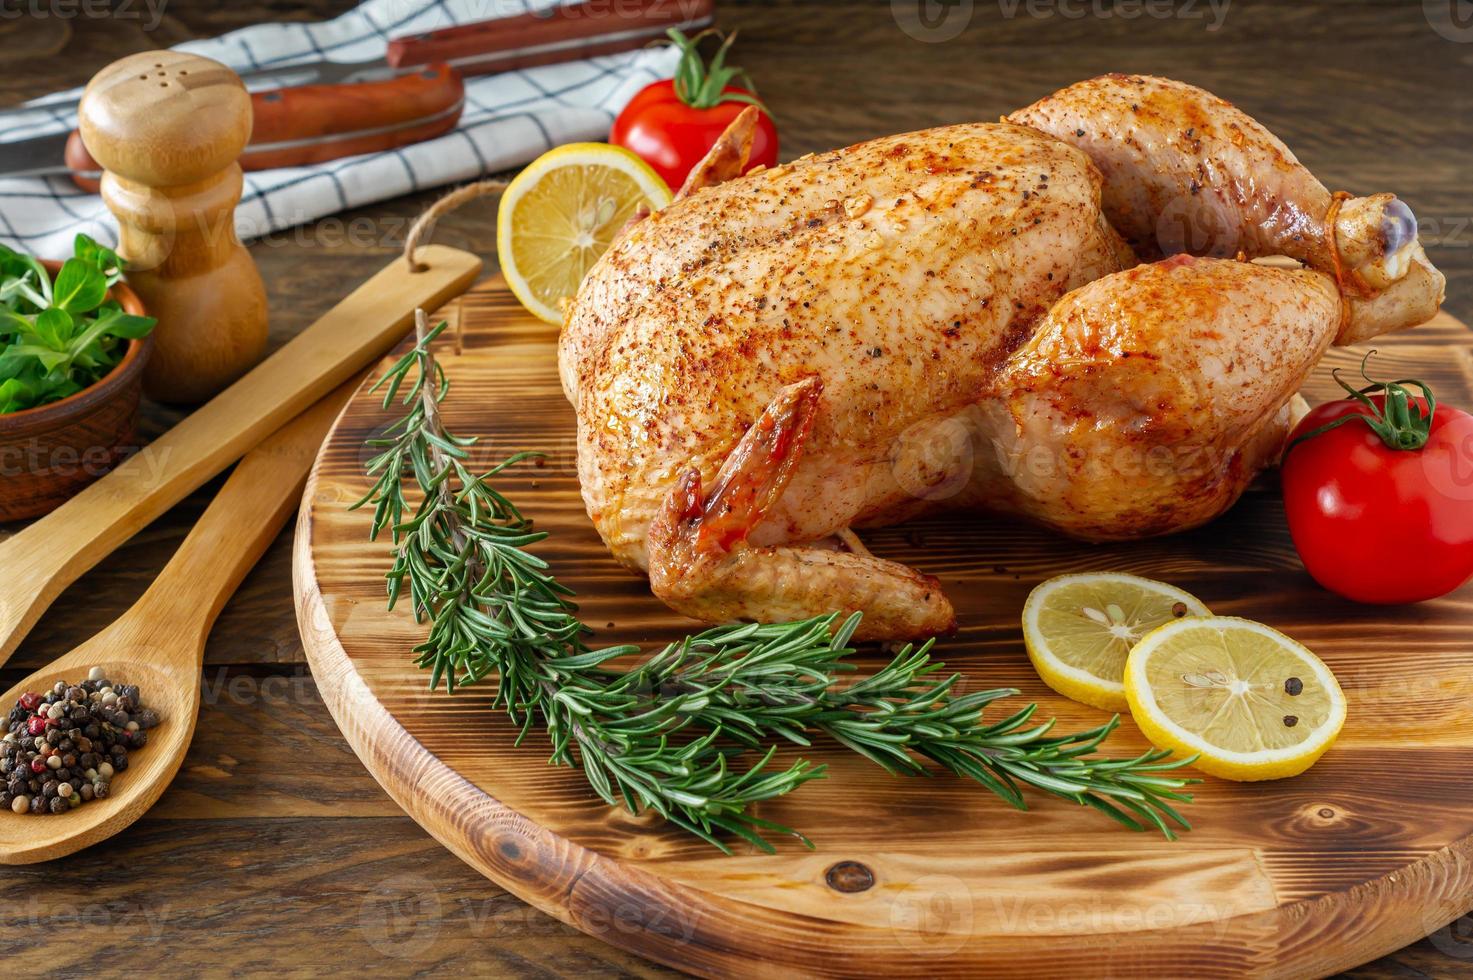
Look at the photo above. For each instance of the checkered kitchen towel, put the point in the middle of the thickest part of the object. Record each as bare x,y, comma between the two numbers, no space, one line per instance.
509,119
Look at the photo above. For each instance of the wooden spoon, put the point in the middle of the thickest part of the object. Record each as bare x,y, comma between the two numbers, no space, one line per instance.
159,644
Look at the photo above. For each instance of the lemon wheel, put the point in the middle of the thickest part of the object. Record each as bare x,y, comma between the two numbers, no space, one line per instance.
1248,701
1079,629
561,213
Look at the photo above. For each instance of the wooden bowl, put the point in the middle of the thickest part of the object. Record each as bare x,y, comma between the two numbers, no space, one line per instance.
49,453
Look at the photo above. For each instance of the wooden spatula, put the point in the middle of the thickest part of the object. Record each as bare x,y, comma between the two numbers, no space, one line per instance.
46,557
159,644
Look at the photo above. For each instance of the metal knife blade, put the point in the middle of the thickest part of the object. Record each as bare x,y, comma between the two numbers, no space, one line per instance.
40,156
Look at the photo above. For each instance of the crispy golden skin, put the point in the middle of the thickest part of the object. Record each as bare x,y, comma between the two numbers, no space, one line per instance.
948,319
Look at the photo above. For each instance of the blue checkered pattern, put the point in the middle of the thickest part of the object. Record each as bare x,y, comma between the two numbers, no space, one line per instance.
509,119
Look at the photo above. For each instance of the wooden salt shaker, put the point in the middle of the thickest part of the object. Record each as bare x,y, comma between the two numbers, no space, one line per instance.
168,128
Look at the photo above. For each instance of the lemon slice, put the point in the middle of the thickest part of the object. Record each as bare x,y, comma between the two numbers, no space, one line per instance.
562,212
1079,629
1249,701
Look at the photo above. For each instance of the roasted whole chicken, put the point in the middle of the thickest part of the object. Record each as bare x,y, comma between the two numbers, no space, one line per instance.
1057,316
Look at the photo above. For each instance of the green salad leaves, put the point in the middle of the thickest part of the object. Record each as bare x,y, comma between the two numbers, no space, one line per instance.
60,336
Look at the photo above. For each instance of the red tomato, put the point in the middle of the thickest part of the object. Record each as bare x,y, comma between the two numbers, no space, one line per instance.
1380,524
672,136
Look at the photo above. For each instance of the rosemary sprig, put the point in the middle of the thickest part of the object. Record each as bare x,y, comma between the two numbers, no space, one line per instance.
903,712
693,732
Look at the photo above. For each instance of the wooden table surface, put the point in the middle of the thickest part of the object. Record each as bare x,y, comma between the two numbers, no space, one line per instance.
274,850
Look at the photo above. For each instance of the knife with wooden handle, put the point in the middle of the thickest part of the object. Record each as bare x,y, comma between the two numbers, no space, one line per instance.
580,30
293,127
328,110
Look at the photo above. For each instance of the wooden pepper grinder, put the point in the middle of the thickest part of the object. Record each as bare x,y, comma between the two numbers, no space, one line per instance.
168,128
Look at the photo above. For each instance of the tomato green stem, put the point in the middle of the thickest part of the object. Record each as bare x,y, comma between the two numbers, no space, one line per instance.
1399,420
701,86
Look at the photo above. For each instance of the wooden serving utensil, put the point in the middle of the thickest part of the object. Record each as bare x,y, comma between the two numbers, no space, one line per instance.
159,644
46,557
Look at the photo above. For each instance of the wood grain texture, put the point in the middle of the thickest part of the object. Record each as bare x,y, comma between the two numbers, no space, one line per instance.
1370,849
1366,93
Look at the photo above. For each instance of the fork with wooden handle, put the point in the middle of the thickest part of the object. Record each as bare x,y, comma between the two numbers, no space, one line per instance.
159,644
42,560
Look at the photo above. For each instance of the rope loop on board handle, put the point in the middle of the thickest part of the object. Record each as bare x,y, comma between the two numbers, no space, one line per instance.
425,223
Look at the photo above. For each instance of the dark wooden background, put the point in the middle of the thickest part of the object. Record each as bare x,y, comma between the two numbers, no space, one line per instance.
274,850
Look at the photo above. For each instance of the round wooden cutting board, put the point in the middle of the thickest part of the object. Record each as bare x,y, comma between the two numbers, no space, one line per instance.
1366,852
